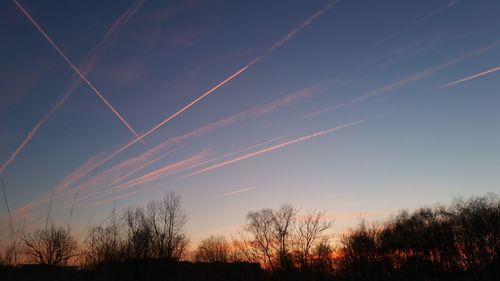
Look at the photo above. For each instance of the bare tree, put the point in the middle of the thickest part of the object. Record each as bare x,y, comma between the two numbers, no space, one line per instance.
260,226
102,244
52,246
167,220
311,228
271,233
139,235
284,220
213,249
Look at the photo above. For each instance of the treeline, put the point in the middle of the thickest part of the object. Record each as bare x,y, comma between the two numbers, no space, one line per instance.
460,241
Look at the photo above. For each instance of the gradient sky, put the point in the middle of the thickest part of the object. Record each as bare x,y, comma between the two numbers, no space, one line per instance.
409,89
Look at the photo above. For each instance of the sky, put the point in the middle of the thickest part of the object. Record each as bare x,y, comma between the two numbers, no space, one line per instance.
358,108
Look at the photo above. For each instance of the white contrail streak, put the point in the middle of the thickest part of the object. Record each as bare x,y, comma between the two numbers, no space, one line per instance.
85,67
141,167
233,192
278,44
437,11
486,72
278,146
75,69
193,102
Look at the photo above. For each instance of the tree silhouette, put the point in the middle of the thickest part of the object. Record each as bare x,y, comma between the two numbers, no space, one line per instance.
53,246
166,221
311,228
213,249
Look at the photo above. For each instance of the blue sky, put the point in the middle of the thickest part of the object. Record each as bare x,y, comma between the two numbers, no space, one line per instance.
305,67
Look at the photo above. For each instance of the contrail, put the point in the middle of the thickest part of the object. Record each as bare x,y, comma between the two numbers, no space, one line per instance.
290,35
278,44
231,154
278,146
256,111
114,154
141,167
406,29
294,32
437,11
486,72
152,176
106,191
75,69
144,166
233,192
413,78
193,102
85,67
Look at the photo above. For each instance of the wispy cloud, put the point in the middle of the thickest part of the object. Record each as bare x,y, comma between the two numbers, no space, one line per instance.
75,69
278,146
474,76
233,192
85,68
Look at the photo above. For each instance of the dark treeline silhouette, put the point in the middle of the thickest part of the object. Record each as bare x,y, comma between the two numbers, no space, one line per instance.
460,241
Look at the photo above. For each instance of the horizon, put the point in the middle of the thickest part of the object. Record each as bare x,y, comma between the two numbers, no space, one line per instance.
242,106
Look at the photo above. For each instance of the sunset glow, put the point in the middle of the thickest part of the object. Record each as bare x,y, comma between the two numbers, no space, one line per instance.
350,111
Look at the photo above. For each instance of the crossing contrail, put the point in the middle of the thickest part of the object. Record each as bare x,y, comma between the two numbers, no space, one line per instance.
85,67
477,75
75,69
276,45
193,103
278,146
